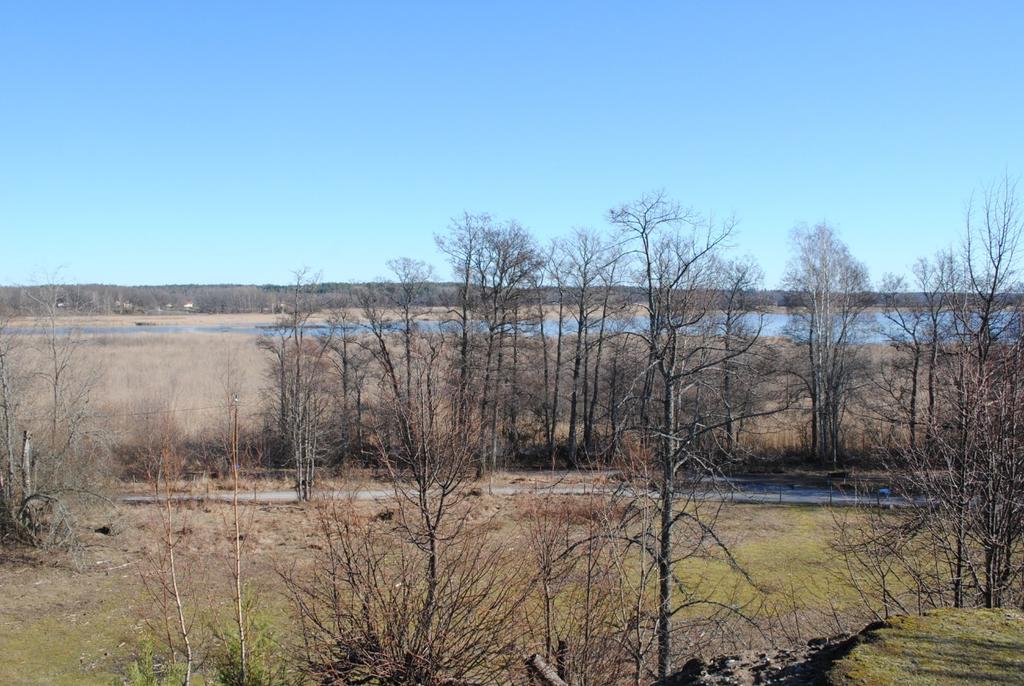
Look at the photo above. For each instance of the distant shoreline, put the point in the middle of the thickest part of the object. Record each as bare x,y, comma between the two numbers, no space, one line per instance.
257,319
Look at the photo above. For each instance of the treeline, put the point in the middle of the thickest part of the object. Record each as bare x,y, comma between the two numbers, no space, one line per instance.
109,299
556,353
105,299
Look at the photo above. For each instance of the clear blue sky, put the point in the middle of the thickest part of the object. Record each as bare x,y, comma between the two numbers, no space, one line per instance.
154,142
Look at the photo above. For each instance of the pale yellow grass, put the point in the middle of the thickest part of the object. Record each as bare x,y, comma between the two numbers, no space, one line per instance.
166,319
190,377
199,319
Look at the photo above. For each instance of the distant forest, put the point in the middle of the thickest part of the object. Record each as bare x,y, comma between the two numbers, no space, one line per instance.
267,298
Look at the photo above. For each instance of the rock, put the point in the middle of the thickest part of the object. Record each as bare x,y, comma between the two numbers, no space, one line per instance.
690,675
802,666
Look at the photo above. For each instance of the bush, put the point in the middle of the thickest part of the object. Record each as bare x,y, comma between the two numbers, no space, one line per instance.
265,661
145,671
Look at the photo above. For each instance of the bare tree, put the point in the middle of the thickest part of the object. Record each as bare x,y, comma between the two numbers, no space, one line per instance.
411,279
585,260
165,575
553,368
830,291
674,266
504,265
983,467
742,393
416,596
57,463
300,373
9,458
916,325
965,537
462,245
609,324
577,557
350,372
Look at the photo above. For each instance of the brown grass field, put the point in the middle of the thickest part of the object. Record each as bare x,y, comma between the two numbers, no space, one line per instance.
62,626
167,319
193,375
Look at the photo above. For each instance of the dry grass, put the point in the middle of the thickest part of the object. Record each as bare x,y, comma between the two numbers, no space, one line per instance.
168,319
199,319
193,375
137,379
64,627
61,626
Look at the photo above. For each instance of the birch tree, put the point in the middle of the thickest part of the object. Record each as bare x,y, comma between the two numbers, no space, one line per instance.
829,289
299,370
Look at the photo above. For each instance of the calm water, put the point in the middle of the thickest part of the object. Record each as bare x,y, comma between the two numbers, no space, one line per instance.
773,324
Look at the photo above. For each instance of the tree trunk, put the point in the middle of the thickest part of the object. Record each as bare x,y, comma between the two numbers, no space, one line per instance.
665,531
588,426
558,377
574,394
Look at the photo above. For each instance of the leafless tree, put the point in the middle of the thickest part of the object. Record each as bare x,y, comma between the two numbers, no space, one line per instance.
300,374
674,266
916,325
743,379
350,374
10,458
984,466
966,534
586,272
504,265
830,289
52,456
416,596
577,554
553,367
411,280
462,245
166,576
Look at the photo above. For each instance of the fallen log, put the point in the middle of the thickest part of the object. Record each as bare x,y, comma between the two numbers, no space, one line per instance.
543,672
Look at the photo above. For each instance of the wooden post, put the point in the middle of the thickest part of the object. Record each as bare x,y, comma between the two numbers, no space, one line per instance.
26,464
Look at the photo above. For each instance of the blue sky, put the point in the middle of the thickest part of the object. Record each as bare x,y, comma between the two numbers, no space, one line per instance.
156,142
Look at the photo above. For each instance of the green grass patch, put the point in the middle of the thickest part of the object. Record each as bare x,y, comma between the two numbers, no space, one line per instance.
941,648
786,551
68,643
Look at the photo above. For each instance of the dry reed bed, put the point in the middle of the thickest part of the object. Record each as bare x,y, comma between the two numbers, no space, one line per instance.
141,379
